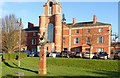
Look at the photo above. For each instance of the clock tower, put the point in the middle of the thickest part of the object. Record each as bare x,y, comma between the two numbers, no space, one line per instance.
50,23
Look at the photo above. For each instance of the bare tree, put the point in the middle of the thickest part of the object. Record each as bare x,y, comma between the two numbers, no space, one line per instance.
90,38
114,40
10,33
0,34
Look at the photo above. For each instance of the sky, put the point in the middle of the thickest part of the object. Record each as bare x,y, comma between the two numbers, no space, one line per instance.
106,12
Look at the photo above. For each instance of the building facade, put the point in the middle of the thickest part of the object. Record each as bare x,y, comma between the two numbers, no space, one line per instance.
76,36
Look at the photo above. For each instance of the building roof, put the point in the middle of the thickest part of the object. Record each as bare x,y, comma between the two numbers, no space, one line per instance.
32,29
86,24
80,24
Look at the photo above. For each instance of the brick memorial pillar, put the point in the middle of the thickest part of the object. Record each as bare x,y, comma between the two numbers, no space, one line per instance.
42,59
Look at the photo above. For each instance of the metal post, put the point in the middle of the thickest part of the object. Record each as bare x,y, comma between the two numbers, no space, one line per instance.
63,22
19,44
114,39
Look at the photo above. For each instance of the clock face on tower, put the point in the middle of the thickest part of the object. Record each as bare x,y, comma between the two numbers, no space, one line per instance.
50,32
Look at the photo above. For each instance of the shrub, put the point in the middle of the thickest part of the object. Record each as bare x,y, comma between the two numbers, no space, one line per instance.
6,56
12,56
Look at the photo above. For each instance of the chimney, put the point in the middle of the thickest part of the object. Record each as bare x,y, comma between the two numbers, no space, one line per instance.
74,21
30,25
94,19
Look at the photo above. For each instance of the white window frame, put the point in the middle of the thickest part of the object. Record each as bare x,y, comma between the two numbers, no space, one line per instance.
100,41
87,39
100,50
100,30
77,31
76,40
63,39
50,32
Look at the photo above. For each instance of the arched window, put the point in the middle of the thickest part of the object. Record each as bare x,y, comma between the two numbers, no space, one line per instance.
50,32
50,8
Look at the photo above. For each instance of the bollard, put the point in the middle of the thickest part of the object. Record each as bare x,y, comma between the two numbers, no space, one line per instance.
19,75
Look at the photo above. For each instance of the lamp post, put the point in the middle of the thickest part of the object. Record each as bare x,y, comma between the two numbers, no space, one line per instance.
19,24
63,22
114,39
42,56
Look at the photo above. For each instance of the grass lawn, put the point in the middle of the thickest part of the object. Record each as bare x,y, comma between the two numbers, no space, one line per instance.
63,67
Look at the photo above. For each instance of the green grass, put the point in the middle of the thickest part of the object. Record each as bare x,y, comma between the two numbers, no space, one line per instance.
63,67
0,66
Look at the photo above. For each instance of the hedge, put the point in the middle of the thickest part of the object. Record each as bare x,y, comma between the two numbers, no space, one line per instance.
13,56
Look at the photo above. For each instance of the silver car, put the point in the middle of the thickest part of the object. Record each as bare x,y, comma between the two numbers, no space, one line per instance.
88,55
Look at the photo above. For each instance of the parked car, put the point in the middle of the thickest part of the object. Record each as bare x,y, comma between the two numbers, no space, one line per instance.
72,54
65,54
52,54
95,55
117,55
78,54
47,54
58,54
68,54
102,55
29,53
35,54
88,55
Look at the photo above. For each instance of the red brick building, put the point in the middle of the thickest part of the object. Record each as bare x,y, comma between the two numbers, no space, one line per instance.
72,37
